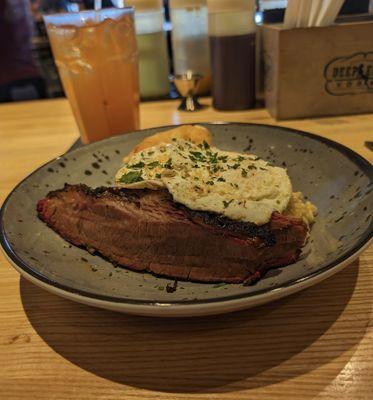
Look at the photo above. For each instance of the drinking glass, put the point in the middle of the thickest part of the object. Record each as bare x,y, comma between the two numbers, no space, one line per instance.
232,47
97,60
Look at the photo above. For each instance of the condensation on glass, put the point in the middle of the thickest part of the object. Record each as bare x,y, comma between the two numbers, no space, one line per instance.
96,56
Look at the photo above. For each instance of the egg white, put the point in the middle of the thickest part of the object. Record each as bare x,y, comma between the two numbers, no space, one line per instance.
239,186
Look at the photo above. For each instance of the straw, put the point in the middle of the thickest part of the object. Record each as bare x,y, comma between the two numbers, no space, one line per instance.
118,3
98,4
291,14
303,13
315,10
329,12
306,13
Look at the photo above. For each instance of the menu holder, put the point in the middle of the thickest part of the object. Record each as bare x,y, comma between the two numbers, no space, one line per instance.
318,71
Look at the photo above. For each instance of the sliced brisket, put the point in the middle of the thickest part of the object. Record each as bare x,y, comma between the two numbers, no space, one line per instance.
145,230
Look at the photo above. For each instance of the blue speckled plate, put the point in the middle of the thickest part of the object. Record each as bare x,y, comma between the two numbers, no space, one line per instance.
333,177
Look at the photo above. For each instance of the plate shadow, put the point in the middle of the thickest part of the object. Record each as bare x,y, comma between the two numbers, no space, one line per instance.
199,355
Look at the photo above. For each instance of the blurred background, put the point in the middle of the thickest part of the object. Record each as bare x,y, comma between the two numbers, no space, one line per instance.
27,69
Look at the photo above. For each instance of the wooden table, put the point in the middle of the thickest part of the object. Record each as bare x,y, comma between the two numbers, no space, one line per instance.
315,344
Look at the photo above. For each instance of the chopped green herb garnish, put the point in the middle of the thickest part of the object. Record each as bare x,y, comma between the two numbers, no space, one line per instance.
153,164
255,158
218,285
221,179
131,177
240,158
235,185
209,183
139,165
198,156
244,173
168,164
206,145
150,153
214,158
174,139
234,166
226,203
263,169
223,158
158,176
251,167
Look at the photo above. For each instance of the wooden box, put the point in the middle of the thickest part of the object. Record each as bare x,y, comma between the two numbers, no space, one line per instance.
318,71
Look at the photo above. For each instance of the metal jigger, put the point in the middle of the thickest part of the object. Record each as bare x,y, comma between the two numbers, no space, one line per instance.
187,85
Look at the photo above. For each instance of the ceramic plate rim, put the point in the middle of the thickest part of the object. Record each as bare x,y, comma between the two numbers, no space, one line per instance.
285,288
192,310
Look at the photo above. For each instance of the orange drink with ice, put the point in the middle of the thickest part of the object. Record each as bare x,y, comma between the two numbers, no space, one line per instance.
96,56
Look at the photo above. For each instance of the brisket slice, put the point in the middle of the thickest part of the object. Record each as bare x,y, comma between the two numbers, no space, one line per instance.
145,230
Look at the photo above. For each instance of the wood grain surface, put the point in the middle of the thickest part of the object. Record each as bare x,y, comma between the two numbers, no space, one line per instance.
317,344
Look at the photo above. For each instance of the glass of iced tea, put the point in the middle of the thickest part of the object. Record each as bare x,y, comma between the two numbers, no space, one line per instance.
96,56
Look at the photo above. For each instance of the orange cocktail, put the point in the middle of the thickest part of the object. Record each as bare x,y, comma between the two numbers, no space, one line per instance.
96,56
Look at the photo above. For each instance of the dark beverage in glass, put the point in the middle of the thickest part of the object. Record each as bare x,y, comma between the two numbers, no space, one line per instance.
232,49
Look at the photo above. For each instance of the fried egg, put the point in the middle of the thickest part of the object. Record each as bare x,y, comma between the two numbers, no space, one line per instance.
239,186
